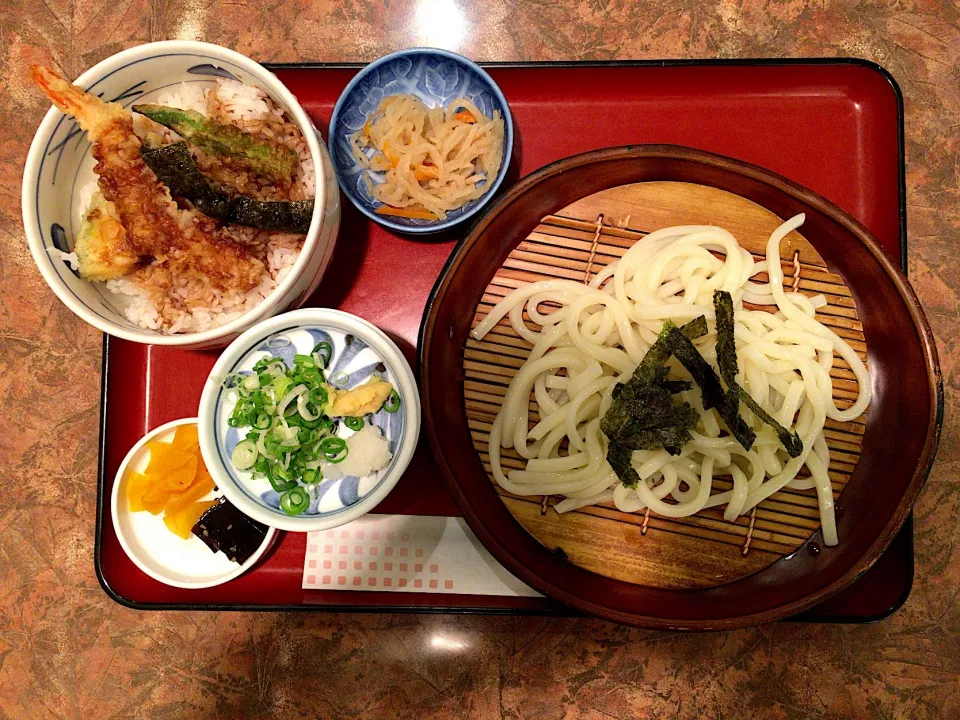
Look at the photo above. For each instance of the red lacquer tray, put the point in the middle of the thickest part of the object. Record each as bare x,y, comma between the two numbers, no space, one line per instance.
835,126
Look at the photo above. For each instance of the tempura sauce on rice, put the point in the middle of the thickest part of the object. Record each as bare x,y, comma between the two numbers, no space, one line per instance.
153,299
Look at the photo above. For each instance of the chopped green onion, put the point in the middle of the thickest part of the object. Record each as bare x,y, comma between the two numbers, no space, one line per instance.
334,449
325,350
393,402
281,485
294,501
341,379
280,479
244,455
281,411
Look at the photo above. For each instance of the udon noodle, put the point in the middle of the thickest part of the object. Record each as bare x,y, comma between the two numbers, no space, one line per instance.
596,335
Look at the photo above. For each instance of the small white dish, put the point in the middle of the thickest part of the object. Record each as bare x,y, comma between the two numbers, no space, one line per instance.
359,349
157,551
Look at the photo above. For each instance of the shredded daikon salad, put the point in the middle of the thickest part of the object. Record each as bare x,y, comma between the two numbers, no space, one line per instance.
433,160
293,440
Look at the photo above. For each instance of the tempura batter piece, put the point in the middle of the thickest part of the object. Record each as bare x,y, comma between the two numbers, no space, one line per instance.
181,242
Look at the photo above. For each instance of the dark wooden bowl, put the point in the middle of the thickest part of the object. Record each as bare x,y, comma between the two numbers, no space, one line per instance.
902,424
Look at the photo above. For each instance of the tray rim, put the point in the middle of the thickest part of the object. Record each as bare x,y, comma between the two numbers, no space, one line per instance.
554,609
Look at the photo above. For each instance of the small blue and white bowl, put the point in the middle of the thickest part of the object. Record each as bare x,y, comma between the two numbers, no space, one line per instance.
435,76
359,350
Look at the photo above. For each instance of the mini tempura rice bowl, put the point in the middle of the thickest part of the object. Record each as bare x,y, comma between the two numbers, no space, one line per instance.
59,182
359,353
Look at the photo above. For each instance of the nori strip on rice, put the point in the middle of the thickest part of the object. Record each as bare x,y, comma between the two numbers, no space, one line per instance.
174,167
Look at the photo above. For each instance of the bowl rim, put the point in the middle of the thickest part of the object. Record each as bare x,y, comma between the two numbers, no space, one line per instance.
51,120
391,355
429,334
482,201
121,535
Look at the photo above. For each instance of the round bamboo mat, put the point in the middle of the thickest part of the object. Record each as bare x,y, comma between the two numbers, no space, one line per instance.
645,549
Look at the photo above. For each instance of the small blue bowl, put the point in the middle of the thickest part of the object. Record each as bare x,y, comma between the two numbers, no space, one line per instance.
435,76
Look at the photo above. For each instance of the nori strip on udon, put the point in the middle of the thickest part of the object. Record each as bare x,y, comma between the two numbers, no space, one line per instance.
727,360
639,408
652,363
174,167
644,401
790,440
688,355
726,403
643,415
726,344
620,456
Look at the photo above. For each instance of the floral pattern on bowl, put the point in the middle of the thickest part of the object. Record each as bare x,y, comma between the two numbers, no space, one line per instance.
354,361
360,351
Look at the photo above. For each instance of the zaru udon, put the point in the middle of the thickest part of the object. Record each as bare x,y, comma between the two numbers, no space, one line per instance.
594,337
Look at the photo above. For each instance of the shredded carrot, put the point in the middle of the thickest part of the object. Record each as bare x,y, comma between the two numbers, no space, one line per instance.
426,172
465,116
390,154
411,213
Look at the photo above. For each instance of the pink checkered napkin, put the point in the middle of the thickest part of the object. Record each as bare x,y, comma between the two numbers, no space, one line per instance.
406,553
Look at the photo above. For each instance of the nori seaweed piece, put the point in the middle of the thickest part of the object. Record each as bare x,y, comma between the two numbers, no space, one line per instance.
671,433
703,375
727,359
261,156
730,412
225,529
727,403
637,407
174,167
643,415
675,386
652,363
619,457
293,216
790,440
726,344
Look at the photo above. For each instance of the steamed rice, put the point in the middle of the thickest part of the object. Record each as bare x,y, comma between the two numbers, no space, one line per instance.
189,306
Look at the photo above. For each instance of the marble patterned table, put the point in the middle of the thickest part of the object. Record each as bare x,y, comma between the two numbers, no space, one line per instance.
67,651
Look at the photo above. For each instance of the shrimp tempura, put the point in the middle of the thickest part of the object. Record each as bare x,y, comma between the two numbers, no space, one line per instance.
179,242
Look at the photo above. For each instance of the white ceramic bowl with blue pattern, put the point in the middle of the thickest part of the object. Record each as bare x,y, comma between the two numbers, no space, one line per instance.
359,351
60,165
435,76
